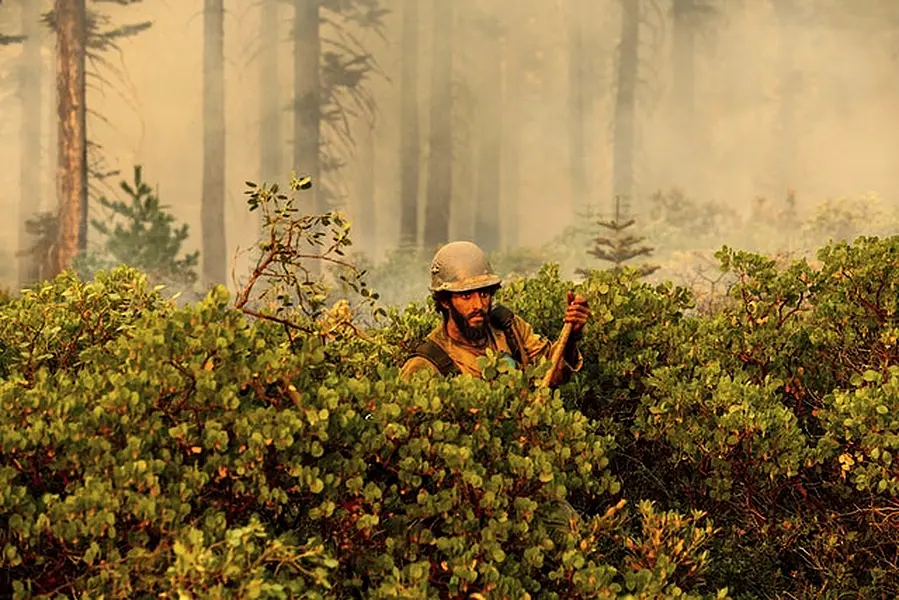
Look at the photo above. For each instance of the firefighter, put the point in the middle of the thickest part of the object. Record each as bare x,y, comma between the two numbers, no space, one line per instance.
462,285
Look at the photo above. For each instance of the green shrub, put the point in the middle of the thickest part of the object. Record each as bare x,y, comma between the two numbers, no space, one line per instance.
634,326
772,415
150,449
52,324
189,450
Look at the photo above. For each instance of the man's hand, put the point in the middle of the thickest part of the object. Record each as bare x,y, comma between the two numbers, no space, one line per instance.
577,312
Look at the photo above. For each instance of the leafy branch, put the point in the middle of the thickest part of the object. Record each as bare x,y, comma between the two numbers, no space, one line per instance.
285,285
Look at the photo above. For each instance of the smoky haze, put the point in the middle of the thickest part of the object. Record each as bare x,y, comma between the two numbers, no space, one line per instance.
804,103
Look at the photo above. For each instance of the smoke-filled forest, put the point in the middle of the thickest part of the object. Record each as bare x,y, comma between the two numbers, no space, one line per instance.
513,124
670,370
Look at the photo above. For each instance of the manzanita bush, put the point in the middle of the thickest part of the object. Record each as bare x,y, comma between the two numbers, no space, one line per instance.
230,449
194,451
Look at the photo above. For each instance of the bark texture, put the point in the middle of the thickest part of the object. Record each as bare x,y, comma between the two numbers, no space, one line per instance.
31,134
440,160
71,175
307,97
410,152
270,156
212,210
490,138
626,107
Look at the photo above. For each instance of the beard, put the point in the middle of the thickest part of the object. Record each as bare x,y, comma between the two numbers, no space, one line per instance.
476,334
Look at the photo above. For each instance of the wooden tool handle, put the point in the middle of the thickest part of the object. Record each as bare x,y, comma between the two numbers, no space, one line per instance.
556,357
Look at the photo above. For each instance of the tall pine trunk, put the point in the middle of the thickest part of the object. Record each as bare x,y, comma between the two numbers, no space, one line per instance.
489,157
511,157
440,159
786,151
270,154
212,211
578,104
626,107
410,150
307,97
31,134
368,216
71,110
514,91
684,85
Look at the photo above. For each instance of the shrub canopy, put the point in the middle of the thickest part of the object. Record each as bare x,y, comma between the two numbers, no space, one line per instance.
150,450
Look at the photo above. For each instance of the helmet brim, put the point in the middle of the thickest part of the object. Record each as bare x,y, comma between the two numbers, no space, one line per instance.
469,284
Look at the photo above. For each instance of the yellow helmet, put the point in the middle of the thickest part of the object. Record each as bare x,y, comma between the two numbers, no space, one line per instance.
461,267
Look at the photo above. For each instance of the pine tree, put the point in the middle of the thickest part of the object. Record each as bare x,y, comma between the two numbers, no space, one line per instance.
142,234
620,246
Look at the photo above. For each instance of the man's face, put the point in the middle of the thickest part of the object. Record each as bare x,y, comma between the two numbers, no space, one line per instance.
469,312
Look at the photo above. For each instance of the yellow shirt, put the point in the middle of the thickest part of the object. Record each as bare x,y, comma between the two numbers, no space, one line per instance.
465,355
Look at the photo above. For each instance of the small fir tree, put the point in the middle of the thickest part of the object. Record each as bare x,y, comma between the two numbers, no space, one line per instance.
141,234
620,246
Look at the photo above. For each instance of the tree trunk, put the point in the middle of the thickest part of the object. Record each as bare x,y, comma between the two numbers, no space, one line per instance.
786,151
684,60
490,135
410,151
71,178
578,106
512,93
684,86
440,160
31,134
465,123
307,98
270,154
626,107
212,211
368,217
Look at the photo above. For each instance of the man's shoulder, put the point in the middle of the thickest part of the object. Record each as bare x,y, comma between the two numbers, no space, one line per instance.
521,326
431,352
416,363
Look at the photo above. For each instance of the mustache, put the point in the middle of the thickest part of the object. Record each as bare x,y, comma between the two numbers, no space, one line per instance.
477,313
